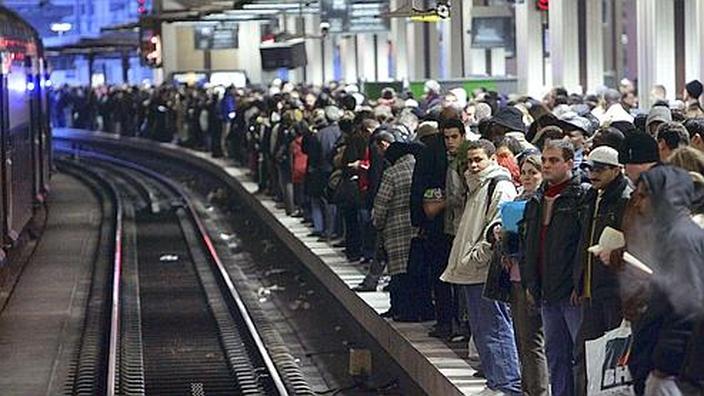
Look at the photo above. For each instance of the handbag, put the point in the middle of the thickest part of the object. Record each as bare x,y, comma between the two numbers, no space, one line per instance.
498,280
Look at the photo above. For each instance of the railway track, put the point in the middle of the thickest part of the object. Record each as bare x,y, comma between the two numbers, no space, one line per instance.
164,317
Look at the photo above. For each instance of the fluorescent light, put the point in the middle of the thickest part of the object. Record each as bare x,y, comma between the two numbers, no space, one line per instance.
60,27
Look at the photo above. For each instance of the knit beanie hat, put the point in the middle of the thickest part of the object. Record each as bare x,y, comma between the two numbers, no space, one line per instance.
639,148
694,88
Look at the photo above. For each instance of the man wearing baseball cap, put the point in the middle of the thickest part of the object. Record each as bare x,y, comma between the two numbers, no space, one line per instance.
603,206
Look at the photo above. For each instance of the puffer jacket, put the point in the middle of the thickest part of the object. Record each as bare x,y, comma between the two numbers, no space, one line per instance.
559,256
471,251
603,282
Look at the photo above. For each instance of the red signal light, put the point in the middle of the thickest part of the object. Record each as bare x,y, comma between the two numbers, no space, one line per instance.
542,5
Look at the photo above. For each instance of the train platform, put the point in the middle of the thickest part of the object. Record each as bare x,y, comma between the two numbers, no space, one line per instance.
40,323
436,367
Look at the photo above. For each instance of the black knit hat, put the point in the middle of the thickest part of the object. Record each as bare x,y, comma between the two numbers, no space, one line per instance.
511,118
694,88
639,148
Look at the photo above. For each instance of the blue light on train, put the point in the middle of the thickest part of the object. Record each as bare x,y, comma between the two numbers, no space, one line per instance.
30,86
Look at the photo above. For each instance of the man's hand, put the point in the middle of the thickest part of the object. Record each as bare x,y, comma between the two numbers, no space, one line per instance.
354,165
613,258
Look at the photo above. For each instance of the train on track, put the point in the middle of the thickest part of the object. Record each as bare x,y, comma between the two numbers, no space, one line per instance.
25,134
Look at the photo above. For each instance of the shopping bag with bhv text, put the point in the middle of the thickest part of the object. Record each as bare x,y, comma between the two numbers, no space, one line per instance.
607,362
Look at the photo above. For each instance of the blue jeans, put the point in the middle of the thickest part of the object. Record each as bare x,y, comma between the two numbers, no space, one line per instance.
316,206
561,322
492,330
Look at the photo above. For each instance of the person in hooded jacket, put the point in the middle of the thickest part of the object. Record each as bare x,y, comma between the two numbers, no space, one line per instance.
666,308
488,185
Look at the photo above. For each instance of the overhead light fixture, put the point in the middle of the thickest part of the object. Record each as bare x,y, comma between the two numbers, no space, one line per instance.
60,27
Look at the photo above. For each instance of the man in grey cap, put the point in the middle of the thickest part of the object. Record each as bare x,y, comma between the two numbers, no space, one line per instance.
657,116
577,130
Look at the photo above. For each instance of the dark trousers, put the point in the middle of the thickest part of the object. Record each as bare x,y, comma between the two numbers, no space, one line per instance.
353,230
436,252
528,326
409,303
598,317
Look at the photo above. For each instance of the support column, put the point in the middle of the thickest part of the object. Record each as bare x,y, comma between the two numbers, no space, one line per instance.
91,62
529,49
329,44
433,50
456,38
445,55
382,50
314,69
349,60
694,40
656,48
368,55
399,38
595,45
416,51
564,45
125,67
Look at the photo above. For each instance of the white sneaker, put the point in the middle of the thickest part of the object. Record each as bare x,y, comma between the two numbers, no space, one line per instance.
488,392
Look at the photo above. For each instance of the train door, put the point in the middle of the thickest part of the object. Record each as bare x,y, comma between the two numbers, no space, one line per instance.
45,89
36,126
4,124
17,164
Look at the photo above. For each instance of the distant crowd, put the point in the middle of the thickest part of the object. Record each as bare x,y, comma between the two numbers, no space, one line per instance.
525,227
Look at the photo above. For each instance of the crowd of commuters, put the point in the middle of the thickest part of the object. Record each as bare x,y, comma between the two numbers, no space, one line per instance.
418,188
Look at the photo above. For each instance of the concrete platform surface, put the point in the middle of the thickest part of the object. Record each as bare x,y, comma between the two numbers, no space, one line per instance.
40,325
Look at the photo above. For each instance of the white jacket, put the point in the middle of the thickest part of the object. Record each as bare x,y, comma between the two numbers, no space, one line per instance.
470,255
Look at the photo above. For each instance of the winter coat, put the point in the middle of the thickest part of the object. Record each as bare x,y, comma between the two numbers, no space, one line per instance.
455,193
694,109
315,179
471,251
561,242
430,172
328,137
612,205
665,332
299,160
391,214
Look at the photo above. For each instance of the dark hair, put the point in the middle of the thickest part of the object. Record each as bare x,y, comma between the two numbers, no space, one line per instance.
483,144
695,126
610,137
453,123
549,132
563,145
511,143
673,134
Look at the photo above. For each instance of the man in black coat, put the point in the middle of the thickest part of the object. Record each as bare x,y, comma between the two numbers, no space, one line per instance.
432,245
603,206
550,273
